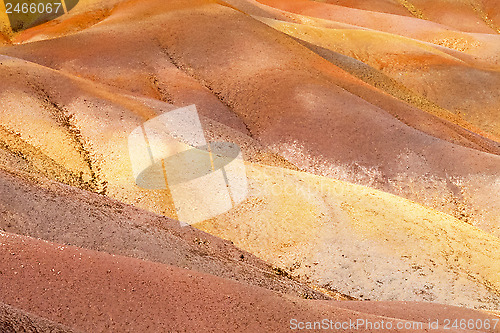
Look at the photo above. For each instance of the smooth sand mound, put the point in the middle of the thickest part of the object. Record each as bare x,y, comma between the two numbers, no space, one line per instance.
384,6
361,242
98,292
290,100
369,55
404,60
88,79
327,233
95,157
440,83
425,15
479,48
471,16
404,25
47,210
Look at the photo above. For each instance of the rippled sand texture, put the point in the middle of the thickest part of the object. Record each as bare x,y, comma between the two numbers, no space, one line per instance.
370,131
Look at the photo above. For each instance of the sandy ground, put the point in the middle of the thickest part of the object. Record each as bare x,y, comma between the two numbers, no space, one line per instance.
370,134
66,215
98,292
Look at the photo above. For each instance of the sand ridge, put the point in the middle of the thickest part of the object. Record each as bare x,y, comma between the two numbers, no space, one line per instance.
370,138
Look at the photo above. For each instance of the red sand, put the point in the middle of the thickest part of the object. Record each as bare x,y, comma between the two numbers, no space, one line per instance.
54,212
302,104
98,292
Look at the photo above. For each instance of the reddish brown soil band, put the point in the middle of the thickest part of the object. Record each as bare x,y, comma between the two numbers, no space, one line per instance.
97,292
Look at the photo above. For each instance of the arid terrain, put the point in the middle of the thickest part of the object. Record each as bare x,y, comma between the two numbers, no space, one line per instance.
369,137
